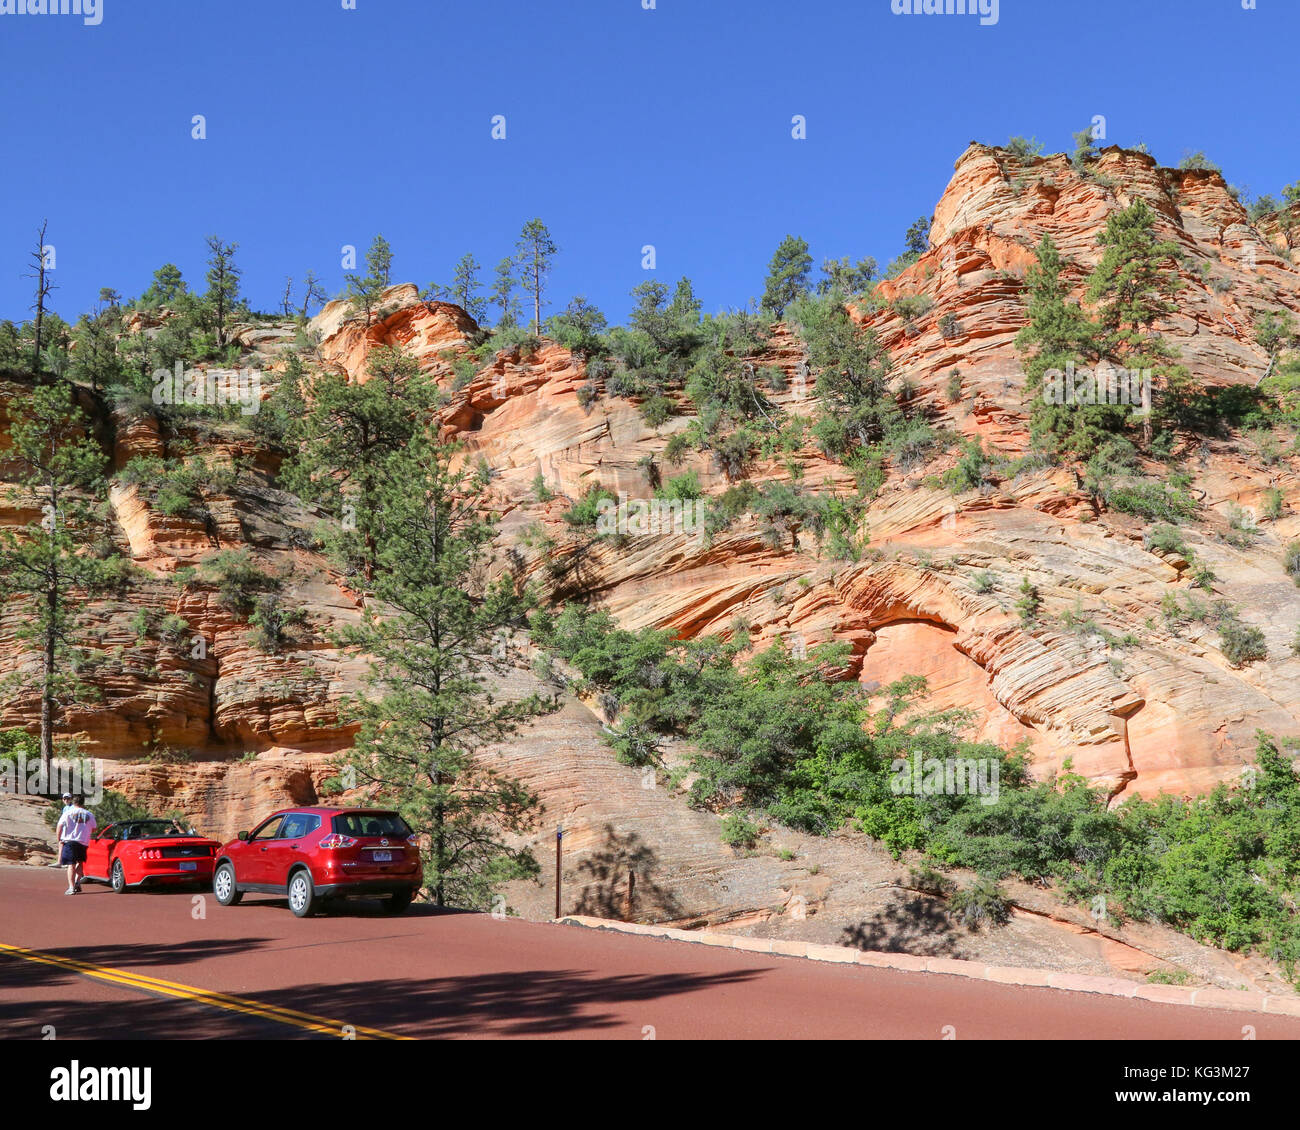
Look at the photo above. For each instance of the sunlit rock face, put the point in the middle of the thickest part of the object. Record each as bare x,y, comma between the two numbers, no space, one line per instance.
934,592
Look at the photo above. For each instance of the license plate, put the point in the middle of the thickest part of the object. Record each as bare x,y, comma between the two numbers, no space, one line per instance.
383,857
189,866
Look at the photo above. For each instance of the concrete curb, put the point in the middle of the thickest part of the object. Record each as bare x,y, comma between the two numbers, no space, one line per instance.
1225,999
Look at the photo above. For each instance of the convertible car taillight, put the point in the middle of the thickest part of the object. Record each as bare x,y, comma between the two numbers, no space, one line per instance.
334,840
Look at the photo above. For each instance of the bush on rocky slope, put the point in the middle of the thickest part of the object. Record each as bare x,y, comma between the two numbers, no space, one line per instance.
773,734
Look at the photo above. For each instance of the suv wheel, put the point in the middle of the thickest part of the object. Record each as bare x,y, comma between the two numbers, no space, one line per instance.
302,894
118,877
397,902
223,886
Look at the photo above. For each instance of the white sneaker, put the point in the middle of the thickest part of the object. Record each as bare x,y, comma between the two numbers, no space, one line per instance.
70,891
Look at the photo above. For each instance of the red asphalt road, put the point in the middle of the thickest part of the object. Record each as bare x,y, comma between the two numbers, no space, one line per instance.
430,974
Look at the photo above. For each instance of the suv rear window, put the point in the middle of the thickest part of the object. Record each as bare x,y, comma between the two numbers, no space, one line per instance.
371,824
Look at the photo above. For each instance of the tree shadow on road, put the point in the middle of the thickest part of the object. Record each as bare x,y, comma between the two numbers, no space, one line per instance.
606,872
911,923
521,1003
128,954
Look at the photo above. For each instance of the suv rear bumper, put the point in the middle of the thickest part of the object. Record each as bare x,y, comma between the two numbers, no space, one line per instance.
365,887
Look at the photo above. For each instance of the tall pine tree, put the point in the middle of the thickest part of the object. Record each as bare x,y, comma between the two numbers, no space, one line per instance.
435,632
1132,288
787,275
1060,333
52,567
345,444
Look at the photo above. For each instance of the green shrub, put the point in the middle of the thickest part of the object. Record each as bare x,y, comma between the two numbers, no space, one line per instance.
657,410
983,903
1166,539
1291,561
542,492
926,879
732,454
684,487
464,370
273,622
1025,148
910,307
1202,576
774,734
912,445
238,580
1272,504
1154,500
1241,643
737,832
585,512
1029,604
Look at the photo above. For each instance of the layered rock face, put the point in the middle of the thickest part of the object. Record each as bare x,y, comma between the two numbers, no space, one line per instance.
1159,711
1164,711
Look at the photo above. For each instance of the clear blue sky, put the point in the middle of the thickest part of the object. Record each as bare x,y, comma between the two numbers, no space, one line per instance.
625,127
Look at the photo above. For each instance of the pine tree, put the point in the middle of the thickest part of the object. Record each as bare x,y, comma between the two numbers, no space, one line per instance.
465,287
95,359
379,261
366,291
1133,287
1059,334
503,294
787,275
1085,150
916,241
223,284
435,632
54,566
846,278
852,372
535,253
346,441
167,286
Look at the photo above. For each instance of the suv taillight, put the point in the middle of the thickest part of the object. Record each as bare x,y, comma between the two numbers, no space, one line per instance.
334,840
413,840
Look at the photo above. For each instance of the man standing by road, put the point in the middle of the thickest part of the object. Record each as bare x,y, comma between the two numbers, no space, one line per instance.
74,831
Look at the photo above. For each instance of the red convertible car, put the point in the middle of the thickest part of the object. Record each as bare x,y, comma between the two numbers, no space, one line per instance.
136,853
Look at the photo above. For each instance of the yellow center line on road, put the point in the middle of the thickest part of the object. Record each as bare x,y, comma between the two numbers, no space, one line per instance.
244,1005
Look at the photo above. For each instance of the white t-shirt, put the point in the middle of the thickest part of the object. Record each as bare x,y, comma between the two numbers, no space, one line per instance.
75,825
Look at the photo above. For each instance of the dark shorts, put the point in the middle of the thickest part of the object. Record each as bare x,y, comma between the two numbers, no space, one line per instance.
71,852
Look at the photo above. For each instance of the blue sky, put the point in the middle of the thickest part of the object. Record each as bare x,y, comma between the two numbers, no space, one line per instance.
625,127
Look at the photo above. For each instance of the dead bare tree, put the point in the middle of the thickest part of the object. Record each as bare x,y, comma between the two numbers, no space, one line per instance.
43,288
313,293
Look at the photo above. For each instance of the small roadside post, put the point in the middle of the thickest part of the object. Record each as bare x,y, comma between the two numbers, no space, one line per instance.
559,841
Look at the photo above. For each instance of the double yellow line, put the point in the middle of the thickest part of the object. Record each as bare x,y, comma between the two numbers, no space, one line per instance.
304,1020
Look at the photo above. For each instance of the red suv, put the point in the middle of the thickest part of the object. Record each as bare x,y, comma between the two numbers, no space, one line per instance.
318,854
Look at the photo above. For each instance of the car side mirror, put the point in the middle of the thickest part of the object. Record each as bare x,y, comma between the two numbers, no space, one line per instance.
243,836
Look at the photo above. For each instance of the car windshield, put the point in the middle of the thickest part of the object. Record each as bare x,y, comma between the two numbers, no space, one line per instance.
371,824
151,829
